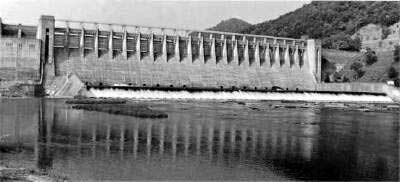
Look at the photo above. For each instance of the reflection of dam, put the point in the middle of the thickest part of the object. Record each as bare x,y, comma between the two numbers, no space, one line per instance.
169,136
340,151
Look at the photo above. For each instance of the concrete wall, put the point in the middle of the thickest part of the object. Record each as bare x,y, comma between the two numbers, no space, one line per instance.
352,87
209,60
19,60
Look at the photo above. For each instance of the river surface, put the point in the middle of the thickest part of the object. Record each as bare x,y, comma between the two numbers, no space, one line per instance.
200,140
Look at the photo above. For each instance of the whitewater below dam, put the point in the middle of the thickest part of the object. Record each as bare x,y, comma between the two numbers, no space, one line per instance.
201,140
238,95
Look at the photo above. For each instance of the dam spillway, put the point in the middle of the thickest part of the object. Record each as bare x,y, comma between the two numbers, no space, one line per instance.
239,95
142,56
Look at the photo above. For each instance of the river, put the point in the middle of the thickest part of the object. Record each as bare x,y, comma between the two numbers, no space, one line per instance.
200,140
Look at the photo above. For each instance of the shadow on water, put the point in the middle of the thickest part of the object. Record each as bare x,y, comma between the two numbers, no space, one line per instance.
201,143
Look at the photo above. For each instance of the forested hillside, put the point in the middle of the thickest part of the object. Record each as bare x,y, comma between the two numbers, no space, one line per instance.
336,23
332,22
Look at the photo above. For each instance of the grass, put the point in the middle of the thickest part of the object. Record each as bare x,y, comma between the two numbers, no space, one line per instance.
377,72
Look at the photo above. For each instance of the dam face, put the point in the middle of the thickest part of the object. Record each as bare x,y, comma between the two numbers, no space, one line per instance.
140,56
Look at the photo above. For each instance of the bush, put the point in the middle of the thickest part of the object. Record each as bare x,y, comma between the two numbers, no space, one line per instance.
385,32
342,41
357,67
393,73
370,57
396,53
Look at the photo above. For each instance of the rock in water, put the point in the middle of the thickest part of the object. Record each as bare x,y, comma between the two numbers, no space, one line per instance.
95,101
140,111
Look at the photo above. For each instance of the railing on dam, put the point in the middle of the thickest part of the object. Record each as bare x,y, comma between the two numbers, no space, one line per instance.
130,40
174,31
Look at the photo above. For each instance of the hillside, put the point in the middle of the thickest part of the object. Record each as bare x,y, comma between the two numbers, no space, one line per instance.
340,25
231,25
374,72
333,22
345,26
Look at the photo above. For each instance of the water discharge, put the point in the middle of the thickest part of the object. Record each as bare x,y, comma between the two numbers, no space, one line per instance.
237,95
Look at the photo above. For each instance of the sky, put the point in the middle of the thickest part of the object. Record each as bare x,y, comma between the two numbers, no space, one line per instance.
178,14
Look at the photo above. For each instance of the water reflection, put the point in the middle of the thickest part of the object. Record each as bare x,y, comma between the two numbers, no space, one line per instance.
202,143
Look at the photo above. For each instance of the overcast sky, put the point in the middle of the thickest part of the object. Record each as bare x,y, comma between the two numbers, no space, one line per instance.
178,14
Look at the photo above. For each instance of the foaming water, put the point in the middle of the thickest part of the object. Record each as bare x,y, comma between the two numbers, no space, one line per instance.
236,95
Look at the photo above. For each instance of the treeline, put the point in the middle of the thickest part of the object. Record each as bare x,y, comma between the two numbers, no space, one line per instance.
332,22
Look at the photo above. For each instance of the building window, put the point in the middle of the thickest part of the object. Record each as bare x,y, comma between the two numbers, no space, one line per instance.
9,44
31,46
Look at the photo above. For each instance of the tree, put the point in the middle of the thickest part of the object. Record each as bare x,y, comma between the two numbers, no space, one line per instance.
397,53
357,67
393,73
385,32
370,57
342,41
327,69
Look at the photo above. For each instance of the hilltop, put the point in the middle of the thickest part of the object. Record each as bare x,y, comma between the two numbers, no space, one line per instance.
231,25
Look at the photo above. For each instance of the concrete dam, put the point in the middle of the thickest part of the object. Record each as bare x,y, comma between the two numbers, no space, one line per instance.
101,54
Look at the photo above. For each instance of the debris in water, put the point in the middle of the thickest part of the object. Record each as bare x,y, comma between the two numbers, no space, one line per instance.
306,123
255,108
